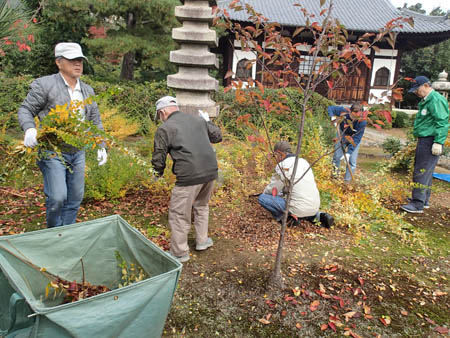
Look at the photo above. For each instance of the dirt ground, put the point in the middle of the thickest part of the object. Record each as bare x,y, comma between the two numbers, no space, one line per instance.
333,286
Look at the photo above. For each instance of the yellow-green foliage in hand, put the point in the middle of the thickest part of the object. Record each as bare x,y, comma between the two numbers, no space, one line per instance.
63,126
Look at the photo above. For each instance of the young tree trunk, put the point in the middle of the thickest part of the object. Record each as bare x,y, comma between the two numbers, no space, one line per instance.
127,71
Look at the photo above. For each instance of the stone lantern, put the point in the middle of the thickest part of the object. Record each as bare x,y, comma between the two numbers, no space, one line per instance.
193,84
442,85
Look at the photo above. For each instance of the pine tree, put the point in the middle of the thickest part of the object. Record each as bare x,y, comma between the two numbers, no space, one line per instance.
138,30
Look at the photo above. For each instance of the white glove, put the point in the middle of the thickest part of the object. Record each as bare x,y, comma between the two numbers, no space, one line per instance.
333,119
436,149
347,155
102,156
30,139
204,115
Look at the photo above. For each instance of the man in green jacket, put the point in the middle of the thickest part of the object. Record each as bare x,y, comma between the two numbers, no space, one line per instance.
431,128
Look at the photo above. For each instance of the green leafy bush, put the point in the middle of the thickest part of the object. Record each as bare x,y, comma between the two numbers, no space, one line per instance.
136,100
403,160
392,145
113,180
400,119
14,90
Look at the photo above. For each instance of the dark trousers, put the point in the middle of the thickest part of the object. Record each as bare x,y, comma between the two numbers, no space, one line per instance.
424,165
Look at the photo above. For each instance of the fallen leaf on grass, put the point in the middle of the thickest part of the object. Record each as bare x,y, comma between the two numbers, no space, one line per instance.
333,327
430,321
314,305
439,293
441,329
298,326
386,320
349,315
404,312
323,327
349,332
263,321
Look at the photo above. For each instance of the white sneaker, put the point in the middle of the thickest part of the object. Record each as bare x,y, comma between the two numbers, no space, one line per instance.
204,246
181,259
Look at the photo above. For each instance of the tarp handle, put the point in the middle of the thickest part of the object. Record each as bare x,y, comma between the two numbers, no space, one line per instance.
17,303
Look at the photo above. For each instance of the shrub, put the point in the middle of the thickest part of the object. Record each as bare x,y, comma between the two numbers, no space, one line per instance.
403,159
392,145
400,119
117,124
14,90
135,100
381,112
113,180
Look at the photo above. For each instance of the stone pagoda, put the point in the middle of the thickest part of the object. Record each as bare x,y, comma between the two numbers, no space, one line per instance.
442,85
193,84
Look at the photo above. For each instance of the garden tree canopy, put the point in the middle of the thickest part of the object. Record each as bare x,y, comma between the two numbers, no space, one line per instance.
13,23
54,25
140,30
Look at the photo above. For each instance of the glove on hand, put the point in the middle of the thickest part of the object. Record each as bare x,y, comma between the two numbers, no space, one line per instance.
102,156
204,115
436,149
333,119
347,156
30,139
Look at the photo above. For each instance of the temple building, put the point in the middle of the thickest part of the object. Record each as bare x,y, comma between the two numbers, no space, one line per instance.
358,17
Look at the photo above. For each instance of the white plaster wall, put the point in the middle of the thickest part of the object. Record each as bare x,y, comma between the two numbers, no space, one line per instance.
377,64
387,52
380,63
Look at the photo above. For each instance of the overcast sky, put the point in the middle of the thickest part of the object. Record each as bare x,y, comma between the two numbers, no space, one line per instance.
427,5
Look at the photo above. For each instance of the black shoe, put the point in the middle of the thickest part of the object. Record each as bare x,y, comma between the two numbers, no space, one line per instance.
326,220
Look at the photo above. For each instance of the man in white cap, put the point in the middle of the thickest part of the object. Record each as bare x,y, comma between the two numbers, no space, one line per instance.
431,128
63,182
187,138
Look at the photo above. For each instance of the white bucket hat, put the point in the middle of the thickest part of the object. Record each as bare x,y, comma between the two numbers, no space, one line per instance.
69,50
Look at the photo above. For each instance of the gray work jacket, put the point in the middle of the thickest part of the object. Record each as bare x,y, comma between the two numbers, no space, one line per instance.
47,92
187,139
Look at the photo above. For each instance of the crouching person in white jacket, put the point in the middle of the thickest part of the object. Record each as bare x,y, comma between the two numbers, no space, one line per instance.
305,199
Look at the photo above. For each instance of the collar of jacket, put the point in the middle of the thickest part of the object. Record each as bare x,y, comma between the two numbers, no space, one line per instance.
175,112
63,87
287,156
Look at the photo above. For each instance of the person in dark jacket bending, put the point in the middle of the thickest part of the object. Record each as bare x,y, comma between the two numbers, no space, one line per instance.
187,138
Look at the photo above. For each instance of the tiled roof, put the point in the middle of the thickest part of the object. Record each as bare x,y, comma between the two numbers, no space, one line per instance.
355,15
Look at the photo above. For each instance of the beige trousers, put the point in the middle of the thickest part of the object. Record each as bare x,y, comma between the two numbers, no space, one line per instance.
182,201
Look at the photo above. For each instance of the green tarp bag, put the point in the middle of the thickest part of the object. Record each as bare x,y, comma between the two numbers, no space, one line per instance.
137,310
